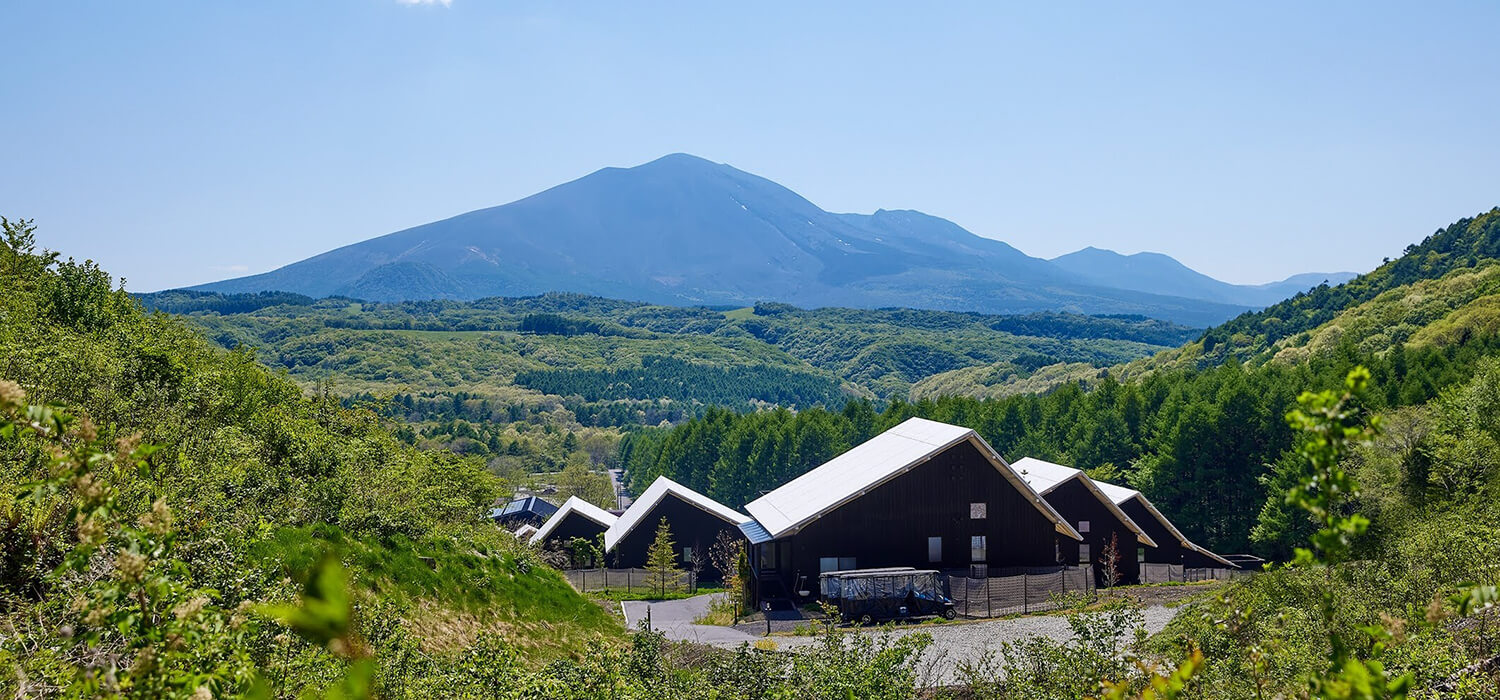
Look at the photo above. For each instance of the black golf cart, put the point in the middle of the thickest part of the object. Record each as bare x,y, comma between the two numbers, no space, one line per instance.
867,595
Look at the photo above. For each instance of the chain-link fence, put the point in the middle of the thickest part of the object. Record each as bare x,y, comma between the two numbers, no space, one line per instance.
631,580
1169,573
1010,591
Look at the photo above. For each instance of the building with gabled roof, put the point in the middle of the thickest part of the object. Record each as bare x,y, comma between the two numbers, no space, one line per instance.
922,494
694,519
1093,514
576,518
1172,546
527,510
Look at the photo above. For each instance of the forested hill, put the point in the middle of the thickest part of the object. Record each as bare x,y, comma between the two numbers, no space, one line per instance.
1441,292
1465,244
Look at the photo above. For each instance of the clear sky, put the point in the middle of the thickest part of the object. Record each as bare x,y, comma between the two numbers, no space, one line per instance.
184,142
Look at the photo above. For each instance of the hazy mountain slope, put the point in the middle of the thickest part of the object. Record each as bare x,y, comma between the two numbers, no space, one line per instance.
1161,274
683,230
1442,293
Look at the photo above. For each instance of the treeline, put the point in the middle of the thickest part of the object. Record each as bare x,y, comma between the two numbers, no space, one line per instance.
182,301
1197,442
669,378
1117,327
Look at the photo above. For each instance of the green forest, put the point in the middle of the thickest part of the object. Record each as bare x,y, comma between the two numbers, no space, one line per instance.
237,502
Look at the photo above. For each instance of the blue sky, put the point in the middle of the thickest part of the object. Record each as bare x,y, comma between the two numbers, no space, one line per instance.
179,143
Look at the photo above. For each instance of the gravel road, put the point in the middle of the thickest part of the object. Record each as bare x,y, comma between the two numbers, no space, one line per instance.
952,643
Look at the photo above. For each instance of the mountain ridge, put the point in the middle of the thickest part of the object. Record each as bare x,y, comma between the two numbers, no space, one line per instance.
687,231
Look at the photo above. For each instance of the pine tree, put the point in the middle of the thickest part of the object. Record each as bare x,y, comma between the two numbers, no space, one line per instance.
661,560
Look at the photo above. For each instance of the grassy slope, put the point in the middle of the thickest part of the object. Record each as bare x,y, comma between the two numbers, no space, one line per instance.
264,478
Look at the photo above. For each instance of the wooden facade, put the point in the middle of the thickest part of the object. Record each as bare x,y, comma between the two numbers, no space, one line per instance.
574,524
953,511
692,527
1088,514
1169,549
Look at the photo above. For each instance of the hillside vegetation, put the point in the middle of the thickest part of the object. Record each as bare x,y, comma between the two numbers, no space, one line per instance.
218,485
535,384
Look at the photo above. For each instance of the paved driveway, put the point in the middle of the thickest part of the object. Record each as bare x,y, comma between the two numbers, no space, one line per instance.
952,643
674,618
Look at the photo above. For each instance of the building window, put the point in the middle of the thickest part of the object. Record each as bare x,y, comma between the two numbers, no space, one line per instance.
1140,555
934,550
827,564
978,548
687,555
978,511
1083,526
1083,554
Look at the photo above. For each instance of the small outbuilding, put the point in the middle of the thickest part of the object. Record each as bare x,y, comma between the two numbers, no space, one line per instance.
1095,516
1172,547
576,518
695,521
528,510
923,494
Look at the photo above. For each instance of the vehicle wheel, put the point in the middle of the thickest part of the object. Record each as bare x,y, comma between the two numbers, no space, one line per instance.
866,620
949,614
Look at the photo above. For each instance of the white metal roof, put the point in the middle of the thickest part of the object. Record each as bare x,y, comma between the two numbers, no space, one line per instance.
1046,476
653,495
1120,494
874,462
577,505
525,531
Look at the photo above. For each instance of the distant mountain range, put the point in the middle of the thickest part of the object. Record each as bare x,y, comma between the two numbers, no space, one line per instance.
1162,274
686,231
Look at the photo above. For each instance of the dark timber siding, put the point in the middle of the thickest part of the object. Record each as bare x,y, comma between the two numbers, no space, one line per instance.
574,525
691,527
890,524
1168,549
1077,503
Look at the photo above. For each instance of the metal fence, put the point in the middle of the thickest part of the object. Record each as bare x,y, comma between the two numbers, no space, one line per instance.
1165,573
632,580
1011,591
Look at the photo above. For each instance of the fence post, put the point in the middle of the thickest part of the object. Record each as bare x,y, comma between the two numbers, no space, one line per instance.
1025,592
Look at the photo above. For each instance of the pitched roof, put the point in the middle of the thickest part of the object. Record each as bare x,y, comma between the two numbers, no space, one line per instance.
577,505
1120,494
653,495
532,504
524,532
872,463
1046,477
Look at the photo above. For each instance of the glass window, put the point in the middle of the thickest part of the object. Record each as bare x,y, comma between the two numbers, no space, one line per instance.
934,550
978,548
687,555
1083,526
1140,555
978,511
847,564
826,564
1083,554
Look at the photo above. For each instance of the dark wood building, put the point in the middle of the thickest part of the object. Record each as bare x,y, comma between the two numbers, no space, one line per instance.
694,519
529,510
1172,547
1094,515
576,518
922,494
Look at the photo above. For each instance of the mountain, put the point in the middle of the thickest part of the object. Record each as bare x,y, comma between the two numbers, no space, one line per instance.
682,230
1161,274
